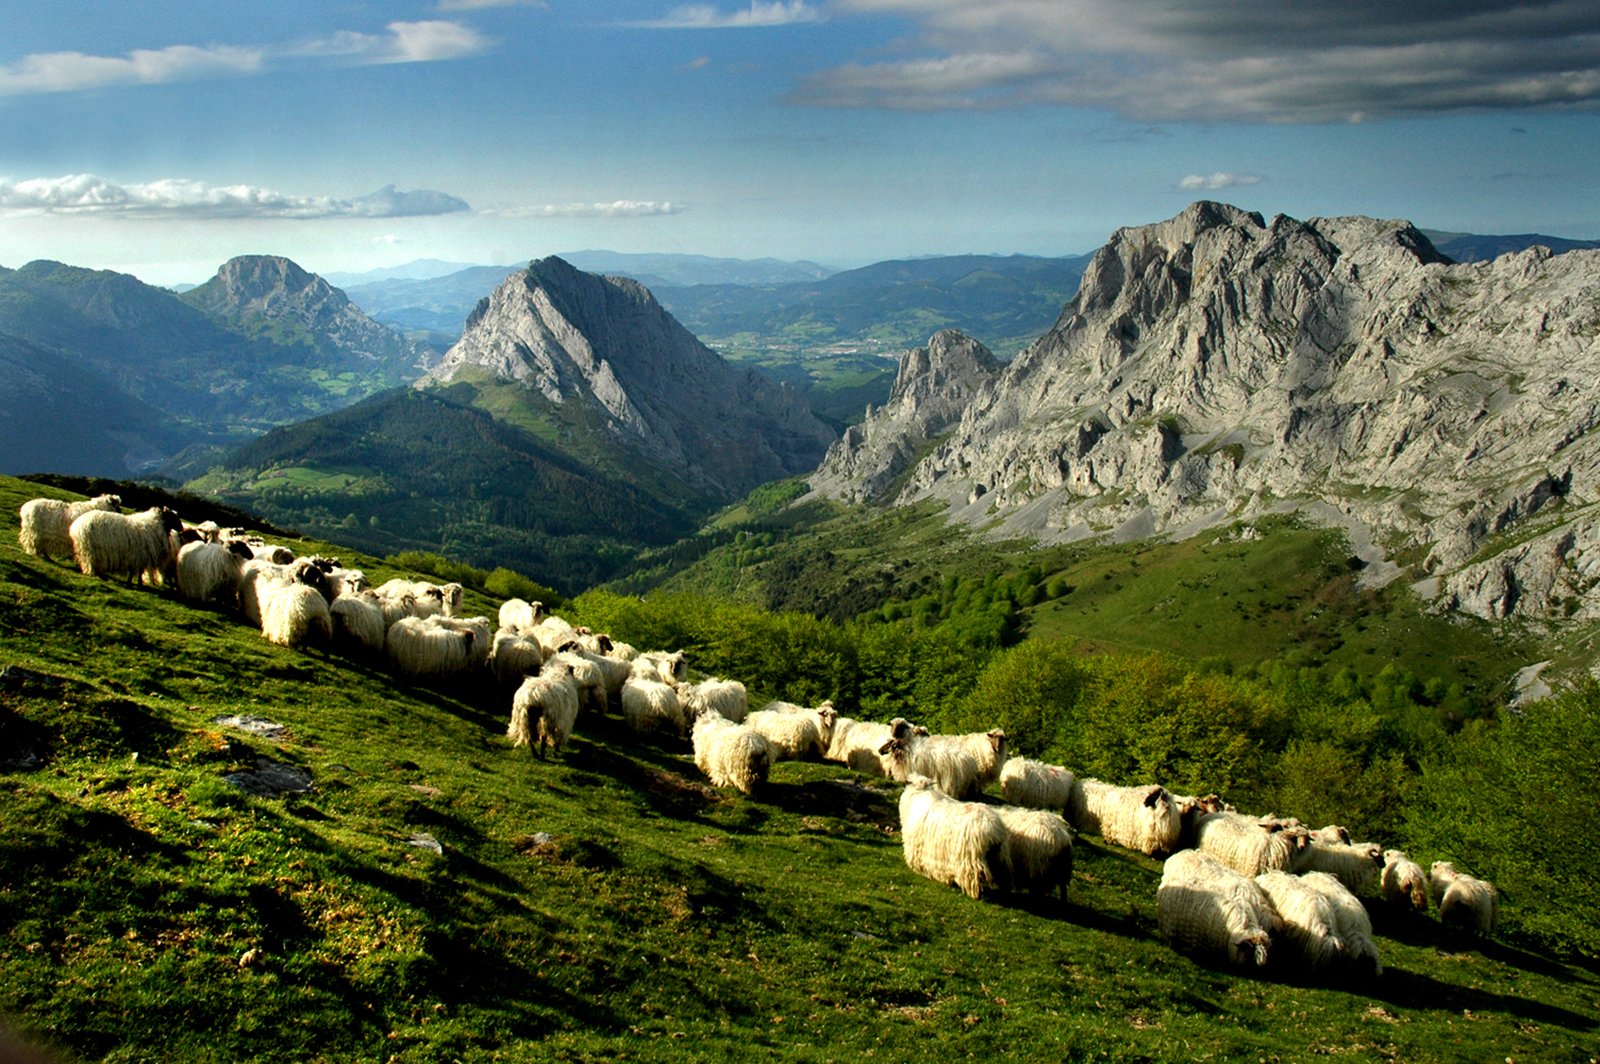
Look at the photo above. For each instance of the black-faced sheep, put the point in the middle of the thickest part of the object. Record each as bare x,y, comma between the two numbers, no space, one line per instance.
482,636
1243,844
544,709
1143,818
257,576
959,765
731,754
1204,906
1403,882
726,698
1463,900
1036,785
211,572
111,545
419,650
794,731
857,744
668,668
962,844
521,616
42,524
1355,864
294,615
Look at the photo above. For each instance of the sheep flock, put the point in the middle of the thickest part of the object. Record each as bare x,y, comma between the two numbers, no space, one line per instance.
1235,887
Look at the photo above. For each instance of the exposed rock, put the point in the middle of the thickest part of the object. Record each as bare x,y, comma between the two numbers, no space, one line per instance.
271,779
605,345
1216,367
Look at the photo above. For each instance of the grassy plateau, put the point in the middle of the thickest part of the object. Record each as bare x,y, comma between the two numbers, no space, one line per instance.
436,895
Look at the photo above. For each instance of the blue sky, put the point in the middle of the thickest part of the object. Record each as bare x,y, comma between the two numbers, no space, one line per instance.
162,139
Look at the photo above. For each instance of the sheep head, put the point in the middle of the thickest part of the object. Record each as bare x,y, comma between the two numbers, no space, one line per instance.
997,739
1251,949
240,549
170,521
603,641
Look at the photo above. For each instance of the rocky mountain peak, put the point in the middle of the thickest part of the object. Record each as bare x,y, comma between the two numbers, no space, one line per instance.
269,284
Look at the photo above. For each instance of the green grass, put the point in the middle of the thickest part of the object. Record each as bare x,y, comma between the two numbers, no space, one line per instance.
602,905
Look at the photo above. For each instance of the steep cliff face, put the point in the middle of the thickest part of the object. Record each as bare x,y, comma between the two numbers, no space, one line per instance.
606,345
1218,366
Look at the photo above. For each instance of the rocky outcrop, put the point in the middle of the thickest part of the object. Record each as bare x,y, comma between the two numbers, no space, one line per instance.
605,345
1217,366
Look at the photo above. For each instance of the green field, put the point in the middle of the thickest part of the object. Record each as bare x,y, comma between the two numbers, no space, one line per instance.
601,905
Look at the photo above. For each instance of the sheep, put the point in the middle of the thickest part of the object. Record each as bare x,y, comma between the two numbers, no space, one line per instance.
544,709
795,731
856,744
211,572
430,599
342,581
962,844
622,651
1036,785
110,545
294,615
482,636
553,633
1038,853
1463,900
1403,881
42,524
668,668
731,754
588,676
1358,952
258,575
272,552
1356,864
1190,809
358,621
520,615
514,656
1205,906
960,765
1244,845
1143,818
418,650
613,673
1307,918
648,705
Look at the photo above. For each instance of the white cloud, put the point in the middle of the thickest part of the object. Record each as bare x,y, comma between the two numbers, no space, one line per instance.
760,13
1217,181
1229,60
88,194
402,42
614,209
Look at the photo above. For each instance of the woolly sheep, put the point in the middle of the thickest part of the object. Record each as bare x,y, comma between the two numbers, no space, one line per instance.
726,698
794,731
731,754
42,524
588,676
111,545
1403,882
342,581
857,744
613,674
514,656
1038,853
358,621
520,615
960,765
294,615
1307,918
962,844
1035,784
1463,900
544,709
1143,818
622,651
211,572
1358,951
482,636
1204,906
1244,845
419,650
668,668
553,633
1190,809
649,705
1355,864
272,552
258,575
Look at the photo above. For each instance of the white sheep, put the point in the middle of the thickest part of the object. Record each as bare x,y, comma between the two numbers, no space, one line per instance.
358,621
428,600
514,656
1358,952
258,575
1307,918
668,668
960,765
544,709
553,633
589,677
1143,818
731,754
211,572
726,698
962,844
520,615
613,674
42,524
1463,900
1036,784
1038,853
1190,809
482,636
271,552
649,705
1243,844
342,581
1403,882
419,650
1356,864
111,545
857,744
1205,906
294,615
795,731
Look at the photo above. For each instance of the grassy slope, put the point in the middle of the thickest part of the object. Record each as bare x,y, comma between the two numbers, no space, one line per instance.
600,906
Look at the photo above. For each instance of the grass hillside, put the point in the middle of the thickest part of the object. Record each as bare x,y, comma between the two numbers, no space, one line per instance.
437,895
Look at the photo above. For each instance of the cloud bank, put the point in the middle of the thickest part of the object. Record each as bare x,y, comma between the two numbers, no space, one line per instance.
760,13
614,209
87,194
1217,181
1227,60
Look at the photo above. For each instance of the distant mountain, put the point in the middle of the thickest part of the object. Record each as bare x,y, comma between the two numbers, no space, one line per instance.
573,406
1470,247
434,306
415,270
261,344
655,271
